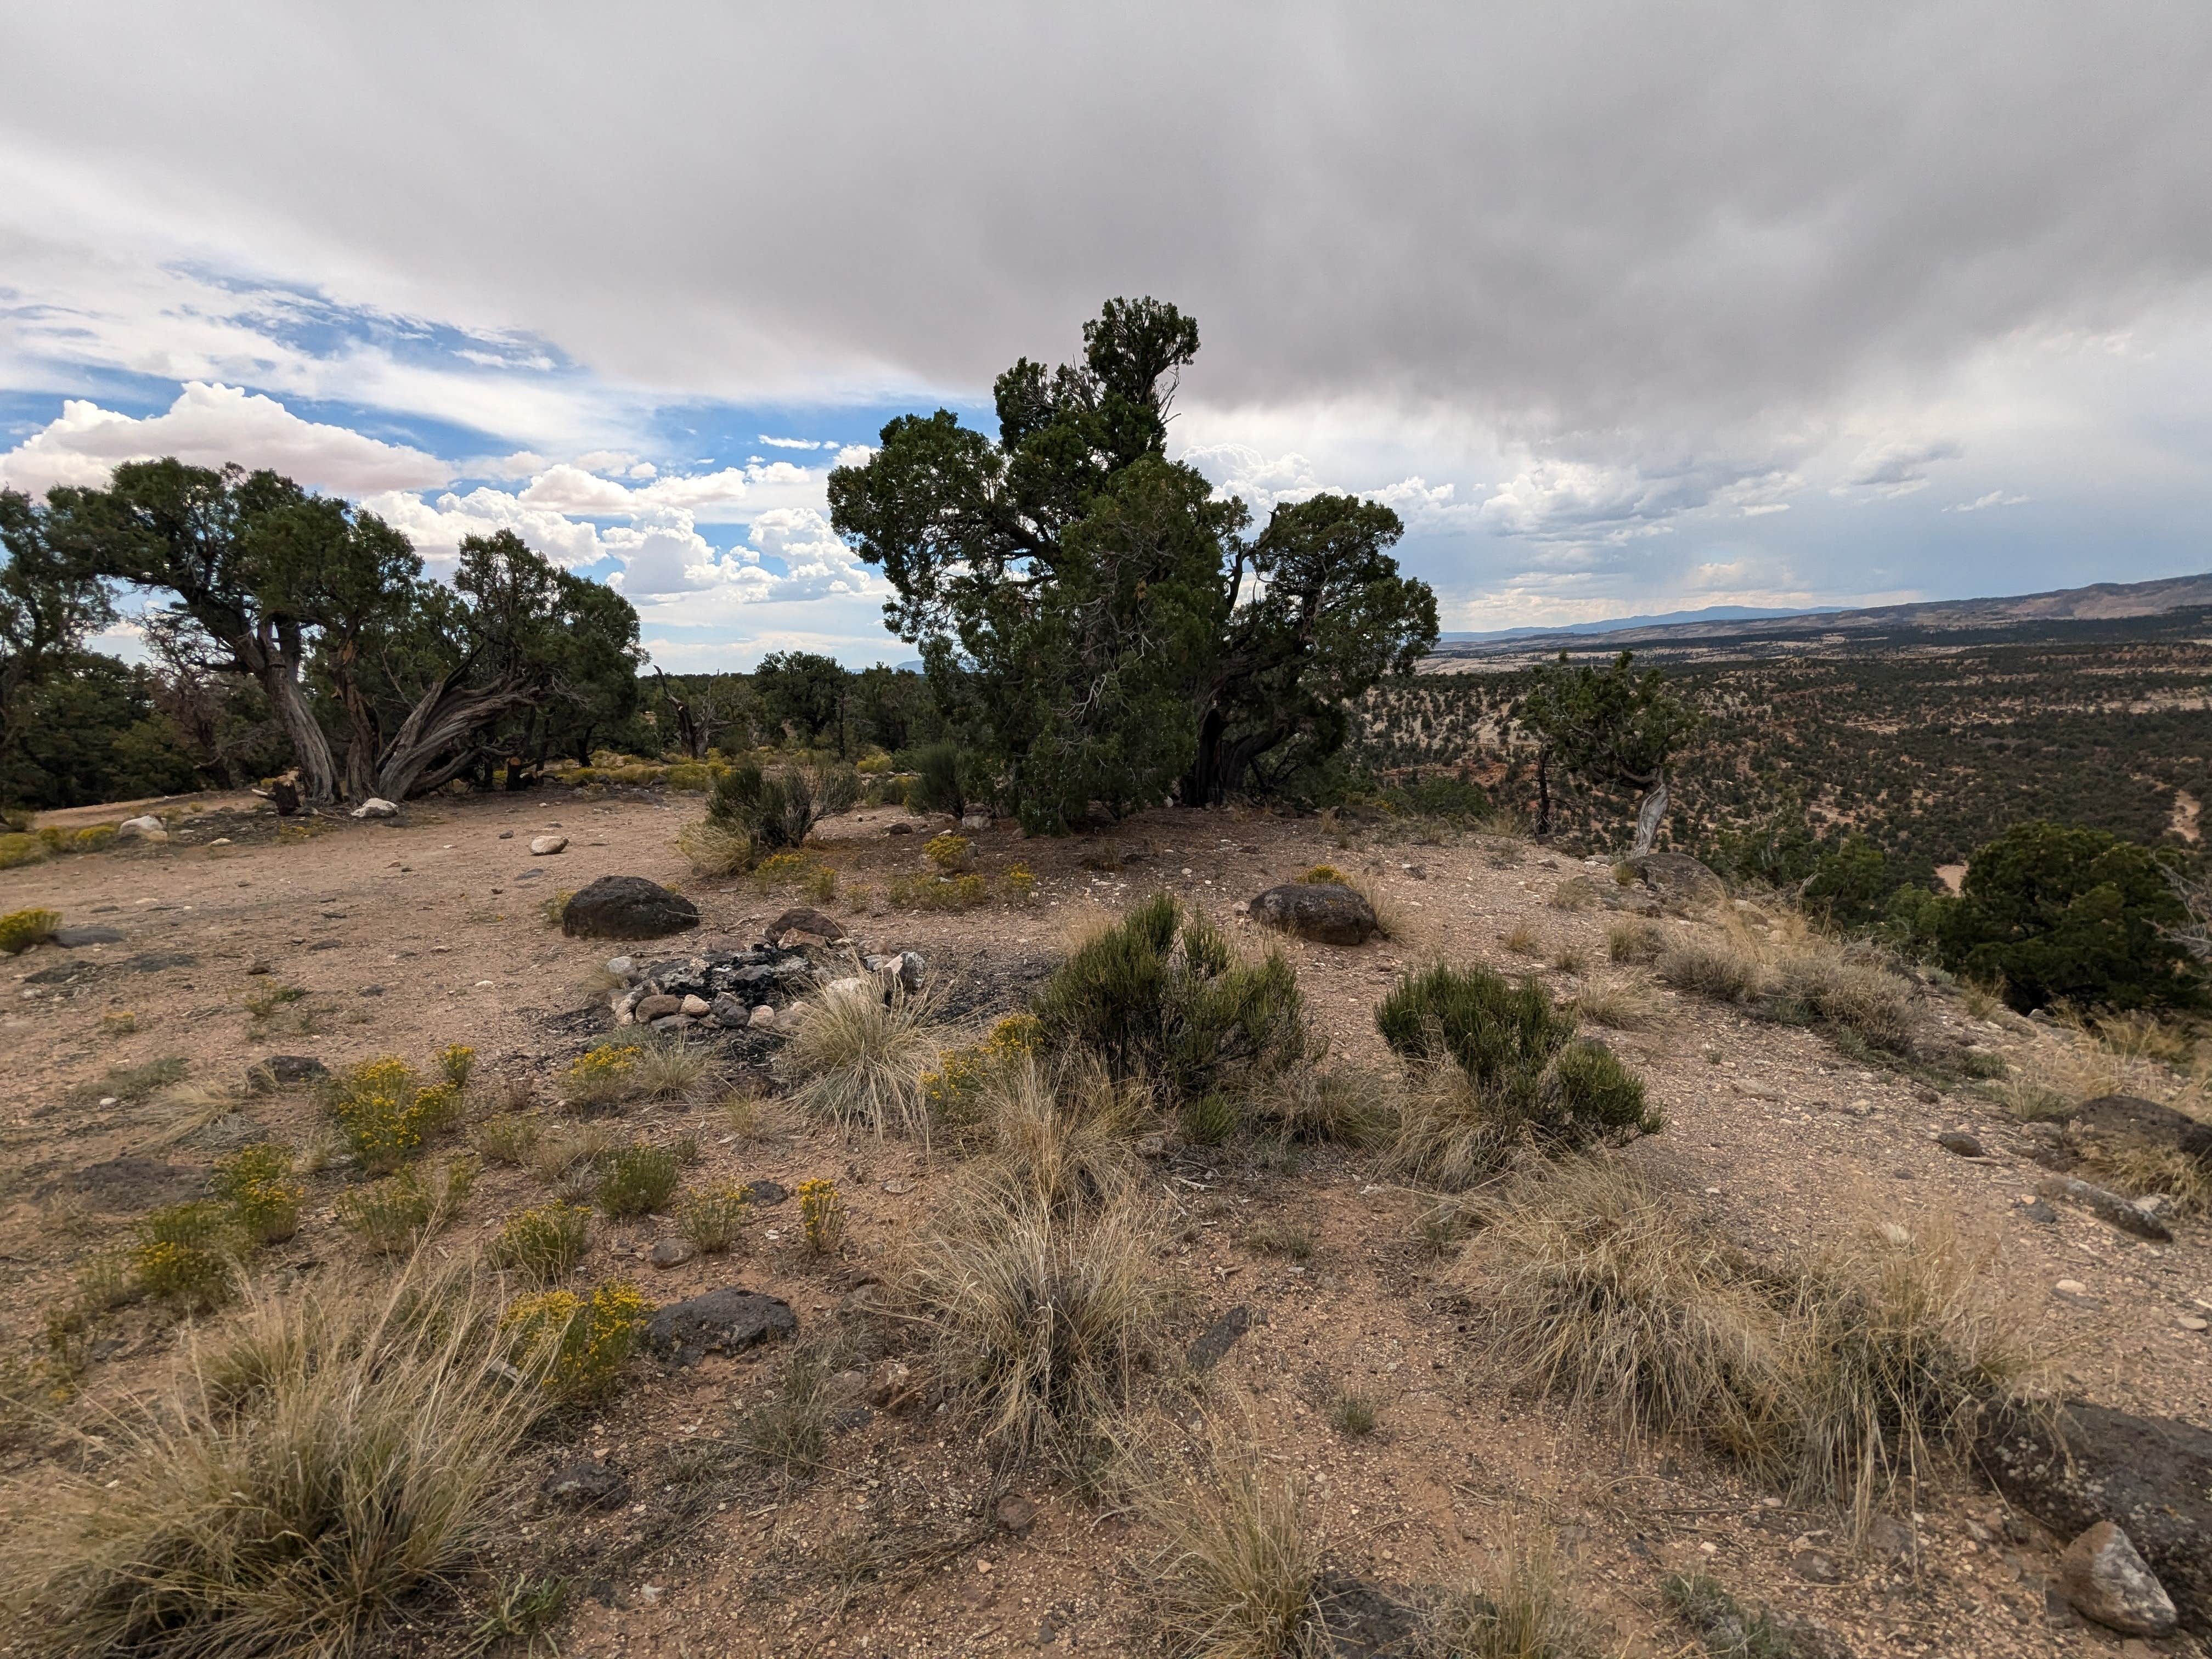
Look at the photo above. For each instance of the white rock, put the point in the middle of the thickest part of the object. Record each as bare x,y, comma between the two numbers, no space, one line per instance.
696,1005
146,827
763,1015
852,987
621,967
541,846
377,807
220,841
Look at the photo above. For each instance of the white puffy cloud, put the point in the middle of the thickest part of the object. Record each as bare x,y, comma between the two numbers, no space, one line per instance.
437,528
1994,498
211,425
1899,467
792,443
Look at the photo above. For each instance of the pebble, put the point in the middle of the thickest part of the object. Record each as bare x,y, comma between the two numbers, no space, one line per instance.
2190,1321
376,807
696,1005
2070,1287
672,1252
1959,1141
2106,1581
760,1017
542,846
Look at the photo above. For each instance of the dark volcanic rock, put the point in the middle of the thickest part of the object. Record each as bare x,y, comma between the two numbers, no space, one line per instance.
800,920
727,1321
2150,1476
1318,910
627,907
72,937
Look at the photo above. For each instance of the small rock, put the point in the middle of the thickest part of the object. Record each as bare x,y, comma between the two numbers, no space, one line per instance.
587,1484
1152,1145
658,1007
1816,1566
801,920
507,835
975,822
898,1186
761,1017
73,937
891,1386
696,1005
1959,1141
1321,911
376,807
145,827
545,846
2039,1210
1678,878
620,967
672,1252
2191,1321
1015,1514
2106,1581
1893,1539
2070,1287
900,828
764,1194
728,1011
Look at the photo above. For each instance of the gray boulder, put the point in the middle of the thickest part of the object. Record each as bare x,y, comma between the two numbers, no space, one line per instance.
801,920
2125,1119
1677,878
2149,1476
627,907
2106,1581
1317,911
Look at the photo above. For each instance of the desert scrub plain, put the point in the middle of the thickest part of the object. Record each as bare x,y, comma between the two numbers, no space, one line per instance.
1203,1319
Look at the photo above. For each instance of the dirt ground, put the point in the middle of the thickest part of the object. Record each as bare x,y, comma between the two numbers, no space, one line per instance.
411,935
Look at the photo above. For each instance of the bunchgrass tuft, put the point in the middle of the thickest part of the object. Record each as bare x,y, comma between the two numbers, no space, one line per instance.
545,1243
1239,1577
858,1058
639,1180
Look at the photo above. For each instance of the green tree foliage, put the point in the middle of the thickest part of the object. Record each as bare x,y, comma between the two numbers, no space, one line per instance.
49,602
804,692
91,732
1094,624
1851,883
381,680
2065,915
1609,727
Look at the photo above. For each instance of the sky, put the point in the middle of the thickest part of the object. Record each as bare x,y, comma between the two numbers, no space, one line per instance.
1625,309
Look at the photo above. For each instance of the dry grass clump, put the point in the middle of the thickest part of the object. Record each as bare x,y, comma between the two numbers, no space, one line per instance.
1520,1609
1603,1291
1239,1577
1822,983
1620,1005
1790,972
1845,1377
314,1467
1035,1312
1725,967
669,1068
1055,1135
1522,939
857,1058
1634,940
1343,1103
2140,1168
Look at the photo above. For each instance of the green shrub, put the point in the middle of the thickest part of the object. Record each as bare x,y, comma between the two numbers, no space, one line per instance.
257,1185
2056,914
638,1180
936,786
504,1137
582,1343
1851,883
714,1217
387,1112
938,892
185,1253
752,812
1158,997
18,850
545,1243
392,1215
20,929
1497,1064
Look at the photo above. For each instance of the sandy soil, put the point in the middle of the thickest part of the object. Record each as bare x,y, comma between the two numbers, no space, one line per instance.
411,935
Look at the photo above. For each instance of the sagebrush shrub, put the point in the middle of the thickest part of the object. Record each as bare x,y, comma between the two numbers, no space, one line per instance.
546,1242
256,1182
390,1216
1159,997
601,1076
638,1180
387,1113
752,813
185,1254
713,1218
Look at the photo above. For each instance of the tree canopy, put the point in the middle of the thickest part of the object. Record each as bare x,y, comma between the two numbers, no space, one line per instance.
1612,727
1095,622
382,680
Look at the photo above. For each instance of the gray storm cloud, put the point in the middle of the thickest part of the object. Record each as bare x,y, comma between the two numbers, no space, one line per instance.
1558,220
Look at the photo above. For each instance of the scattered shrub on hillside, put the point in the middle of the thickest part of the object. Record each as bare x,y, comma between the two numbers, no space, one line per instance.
937,786
1021,883
1036,1313
601,1076
954,893
638,1180
256,1182
2055,914
387,1113
1821,983
821,1215
504,1137
578,1344
310,1472
1159,997
1634,940
1622,1004
186,1255
752,813
1520,1609
951,853
457,1063
545,1243
1325,1103
393,1215
713,1218
858,1058
1496,1066
1722,966
1240,1576
22,929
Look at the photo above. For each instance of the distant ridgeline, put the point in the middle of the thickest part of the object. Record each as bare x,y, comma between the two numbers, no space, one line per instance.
1927,741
